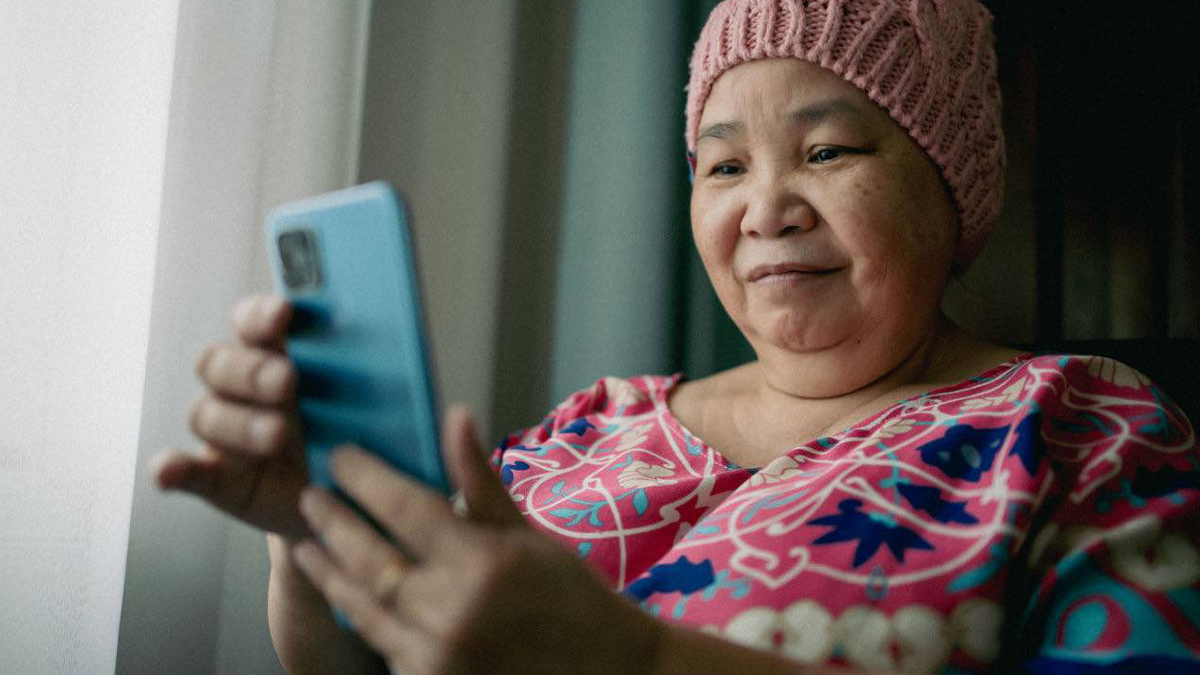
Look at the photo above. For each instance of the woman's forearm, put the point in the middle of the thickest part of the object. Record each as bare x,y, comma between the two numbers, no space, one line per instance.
689,652
306,638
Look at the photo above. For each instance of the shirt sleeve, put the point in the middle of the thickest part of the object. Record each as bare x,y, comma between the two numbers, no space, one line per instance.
571,415
1115,563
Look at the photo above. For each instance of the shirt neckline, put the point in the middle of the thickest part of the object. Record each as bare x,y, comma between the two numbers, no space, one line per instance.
823,442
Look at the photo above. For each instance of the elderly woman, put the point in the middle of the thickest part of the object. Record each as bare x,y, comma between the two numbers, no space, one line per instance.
877,489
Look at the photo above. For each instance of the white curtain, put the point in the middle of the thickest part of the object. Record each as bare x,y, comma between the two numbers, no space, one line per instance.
140,143
265,107
84,92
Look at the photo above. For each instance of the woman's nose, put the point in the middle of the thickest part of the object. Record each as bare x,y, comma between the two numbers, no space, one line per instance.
776,210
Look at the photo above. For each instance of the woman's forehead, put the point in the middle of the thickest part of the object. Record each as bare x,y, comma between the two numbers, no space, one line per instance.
790,89
790,92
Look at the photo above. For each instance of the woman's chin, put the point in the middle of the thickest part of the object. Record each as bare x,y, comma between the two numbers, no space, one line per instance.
802,333
787,344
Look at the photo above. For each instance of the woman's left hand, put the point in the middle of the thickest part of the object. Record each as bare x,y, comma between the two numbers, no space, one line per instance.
475,593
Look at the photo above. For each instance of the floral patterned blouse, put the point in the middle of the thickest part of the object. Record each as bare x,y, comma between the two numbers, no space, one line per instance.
1042,516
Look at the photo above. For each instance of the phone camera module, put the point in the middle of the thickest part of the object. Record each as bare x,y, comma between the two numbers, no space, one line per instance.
298,253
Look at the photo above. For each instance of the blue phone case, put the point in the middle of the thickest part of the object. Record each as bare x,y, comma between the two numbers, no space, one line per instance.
344,259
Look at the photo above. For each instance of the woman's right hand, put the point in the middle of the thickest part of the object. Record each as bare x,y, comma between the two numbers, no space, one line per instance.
252,464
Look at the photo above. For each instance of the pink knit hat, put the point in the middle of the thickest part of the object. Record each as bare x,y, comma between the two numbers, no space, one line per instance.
929,63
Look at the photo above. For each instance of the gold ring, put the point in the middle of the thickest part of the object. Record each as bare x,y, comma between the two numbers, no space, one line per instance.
388,582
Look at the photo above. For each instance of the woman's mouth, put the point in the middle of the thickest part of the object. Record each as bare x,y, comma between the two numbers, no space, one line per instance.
788,272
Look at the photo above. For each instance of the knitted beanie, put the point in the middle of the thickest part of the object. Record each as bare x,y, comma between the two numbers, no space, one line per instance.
929,63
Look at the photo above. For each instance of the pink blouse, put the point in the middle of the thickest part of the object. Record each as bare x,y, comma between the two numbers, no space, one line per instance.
1039,516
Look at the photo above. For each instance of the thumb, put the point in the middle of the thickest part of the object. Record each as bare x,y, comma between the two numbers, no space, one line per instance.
486,498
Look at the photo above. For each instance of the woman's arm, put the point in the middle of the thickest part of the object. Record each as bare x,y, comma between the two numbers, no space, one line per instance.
302,628
484,593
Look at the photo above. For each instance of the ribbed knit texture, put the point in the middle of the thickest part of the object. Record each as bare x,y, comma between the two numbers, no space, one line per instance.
930,63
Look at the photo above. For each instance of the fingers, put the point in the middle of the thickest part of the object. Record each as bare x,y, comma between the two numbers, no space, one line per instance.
486,499
411,512
378,624
249,384
253,431
367,579
355,545
245,488
248,373
252,466
262,320
209,477
176,470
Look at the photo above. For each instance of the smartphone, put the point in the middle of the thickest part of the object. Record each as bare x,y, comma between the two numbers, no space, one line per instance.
345,262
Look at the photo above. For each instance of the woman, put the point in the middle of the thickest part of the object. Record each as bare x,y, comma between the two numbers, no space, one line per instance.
877,489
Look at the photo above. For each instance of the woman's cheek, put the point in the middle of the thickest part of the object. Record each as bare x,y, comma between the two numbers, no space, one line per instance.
715,226
729,208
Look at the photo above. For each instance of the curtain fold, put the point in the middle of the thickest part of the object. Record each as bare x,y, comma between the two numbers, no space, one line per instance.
631,295
84,95
265,108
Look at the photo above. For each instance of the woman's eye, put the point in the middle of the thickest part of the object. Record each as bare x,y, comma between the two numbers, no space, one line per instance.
825,155
725,170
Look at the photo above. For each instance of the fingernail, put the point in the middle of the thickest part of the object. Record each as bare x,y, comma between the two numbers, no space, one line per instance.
311,504
204,417
155,466
218,360
241,312
271,304
305,554
271,377
262,431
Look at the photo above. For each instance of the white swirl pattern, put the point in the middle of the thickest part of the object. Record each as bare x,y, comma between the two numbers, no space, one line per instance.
893,530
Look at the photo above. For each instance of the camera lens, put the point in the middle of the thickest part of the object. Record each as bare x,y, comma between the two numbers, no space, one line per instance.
298,253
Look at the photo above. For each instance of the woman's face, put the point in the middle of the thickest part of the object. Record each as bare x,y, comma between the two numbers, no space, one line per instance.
820,222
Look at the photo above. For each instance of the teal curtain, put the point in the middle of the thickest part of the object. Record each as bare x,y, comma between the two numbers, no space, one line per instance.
631,296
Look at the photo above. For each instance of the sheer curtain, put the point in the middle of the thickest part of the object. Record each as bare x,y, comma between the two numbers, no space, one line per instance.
140,144
84,93
265,107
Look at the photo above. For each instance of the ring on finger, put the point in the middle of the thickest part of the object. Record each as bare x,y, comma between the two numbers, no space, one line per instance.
387,582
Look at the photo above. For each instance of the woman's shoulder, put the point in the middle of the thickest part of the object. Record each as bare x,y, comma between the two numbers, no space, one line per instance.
1090,370
616,396
1097,419
976,361
1055,385
608,399
1088,375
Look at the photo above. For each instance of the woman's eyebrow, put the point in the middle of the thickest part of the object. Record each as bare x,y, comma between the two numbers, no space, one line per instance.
719,130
